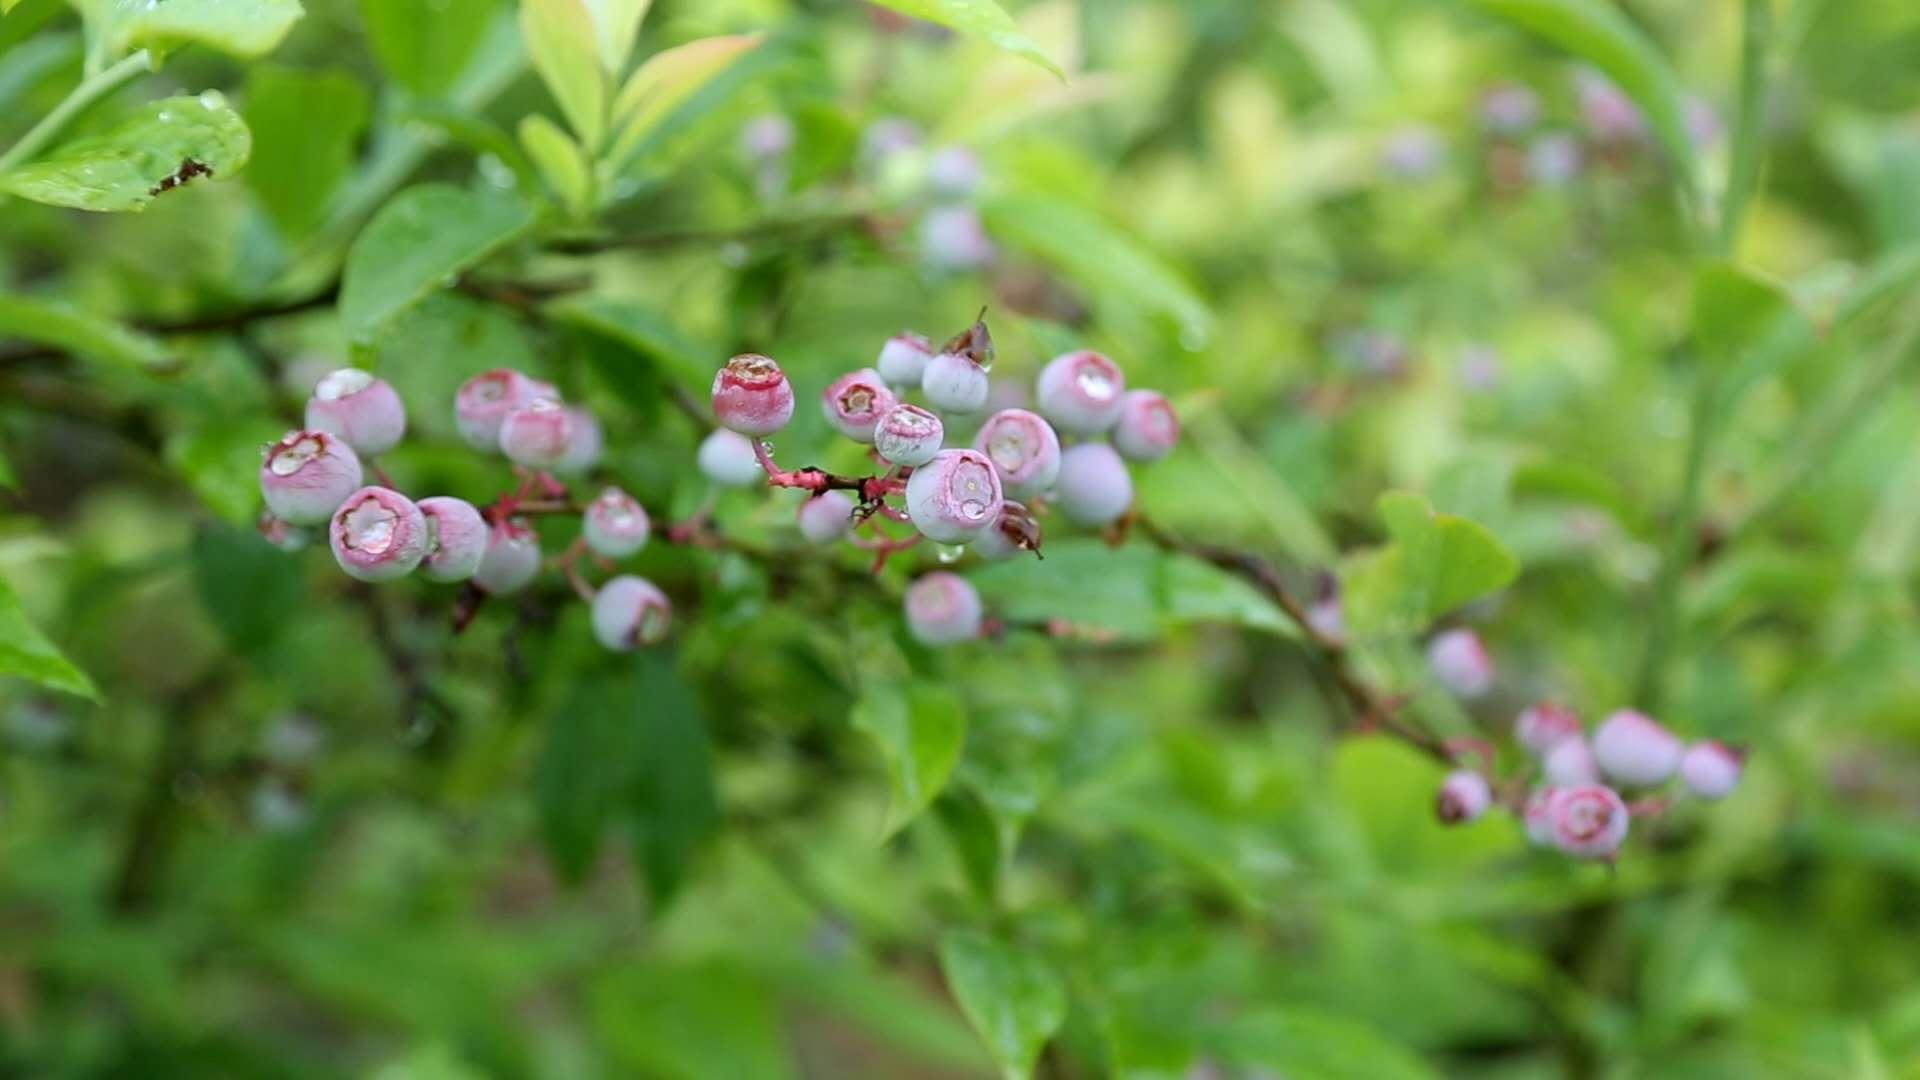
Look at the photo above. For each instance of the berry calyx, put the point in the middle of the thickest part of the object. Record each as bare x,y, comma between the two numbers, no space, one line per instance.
855,402
727,459
751,395
943,609
484,401
908,435
826,517
512,560
538,434
359,408
954,497
629,612
615,525
307,475
1148,427
1081,392
1711,770
1588,821
1464,796
378,534
1024,450
1631,748
456,539
1094,486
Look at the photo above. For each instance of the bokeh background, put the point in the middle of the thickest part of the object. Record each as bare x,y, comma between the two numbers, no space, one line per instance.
1364,244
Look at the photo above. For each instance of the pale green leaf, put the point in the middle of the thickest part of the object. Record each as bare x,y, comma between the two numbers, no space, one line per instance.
1011,996
1733,309
305,126
561,162
152,150
221,463
616,24
920,729
983,17
425,45
243,28
1132,593
563,43
666,81
1434,564
51,322
1601,34
419,242
1311,1043
25,652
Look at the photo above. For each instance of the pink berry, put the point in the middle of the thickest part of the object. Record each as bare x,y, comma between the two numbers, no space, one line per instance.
1094,486
1328,618
1147,428
1081,392
954,497
630,611
307,475
537,434
615,524
953,172
485,400
908,435
1538,816
903,360
826,517
585,442
751,395
1024,451
955,383
1634,750
1711,770
378,534
456,539
856,401
1464,796
1589,821
727,459
359,408
1570,762
1461,662
281,534
954,239
1541,727
512,559
1003,538
943,609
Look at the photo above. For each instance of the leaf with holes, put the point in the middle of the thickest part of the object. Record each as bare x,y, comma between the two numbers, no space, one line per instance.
156,148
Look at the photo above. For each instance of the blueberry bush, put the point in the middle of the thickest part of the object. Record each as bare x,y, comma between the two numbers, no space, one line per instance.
940,538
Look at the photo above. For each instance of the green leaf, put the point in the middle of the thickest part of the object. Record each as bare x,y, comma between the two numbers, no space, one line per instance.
983,17
26,653
1196,591
586,773
920,729
564,44
1093,252
425,45
7,480
561,162
51,322
676,805
976,839
668,80
419,241
220,460
1733,309
474,131
1314,1043
640,330
1011,996
152,150
243,28
305,128
249,587
1134,592
1434,564
616,23
1600,34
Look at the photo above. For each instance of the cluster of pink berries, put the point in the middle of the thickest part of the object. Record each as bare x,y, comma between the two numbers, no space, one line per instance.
985,495
314,478
1578,807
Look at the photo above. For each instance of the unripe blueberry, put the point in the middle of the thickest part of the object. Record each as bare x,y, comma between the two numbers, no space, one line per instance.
1541,727
281,534
1081,392
953,172
615,525
1024,451
903,360
953,238
359,408
512,559
1004,538
630,611
854,402
955,383
1328,618
954,497
826,517
1464,796
378,534
1094,486
1710,769
943,609
456,539
1538,816
727,459
307,475
908,435
767,136
1589,821
752,396
585,441
485,400
1509,109
1147,428
1554,159
1460,662
1570,762
538,434
1632,749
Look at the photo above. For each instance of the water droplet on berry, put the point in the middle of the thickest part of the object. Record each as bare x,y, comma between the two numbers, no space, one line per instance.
948,554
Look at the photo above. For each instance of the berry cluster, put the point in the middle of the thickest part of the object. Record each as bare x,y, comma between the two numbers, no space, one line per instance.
986,494
314,478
